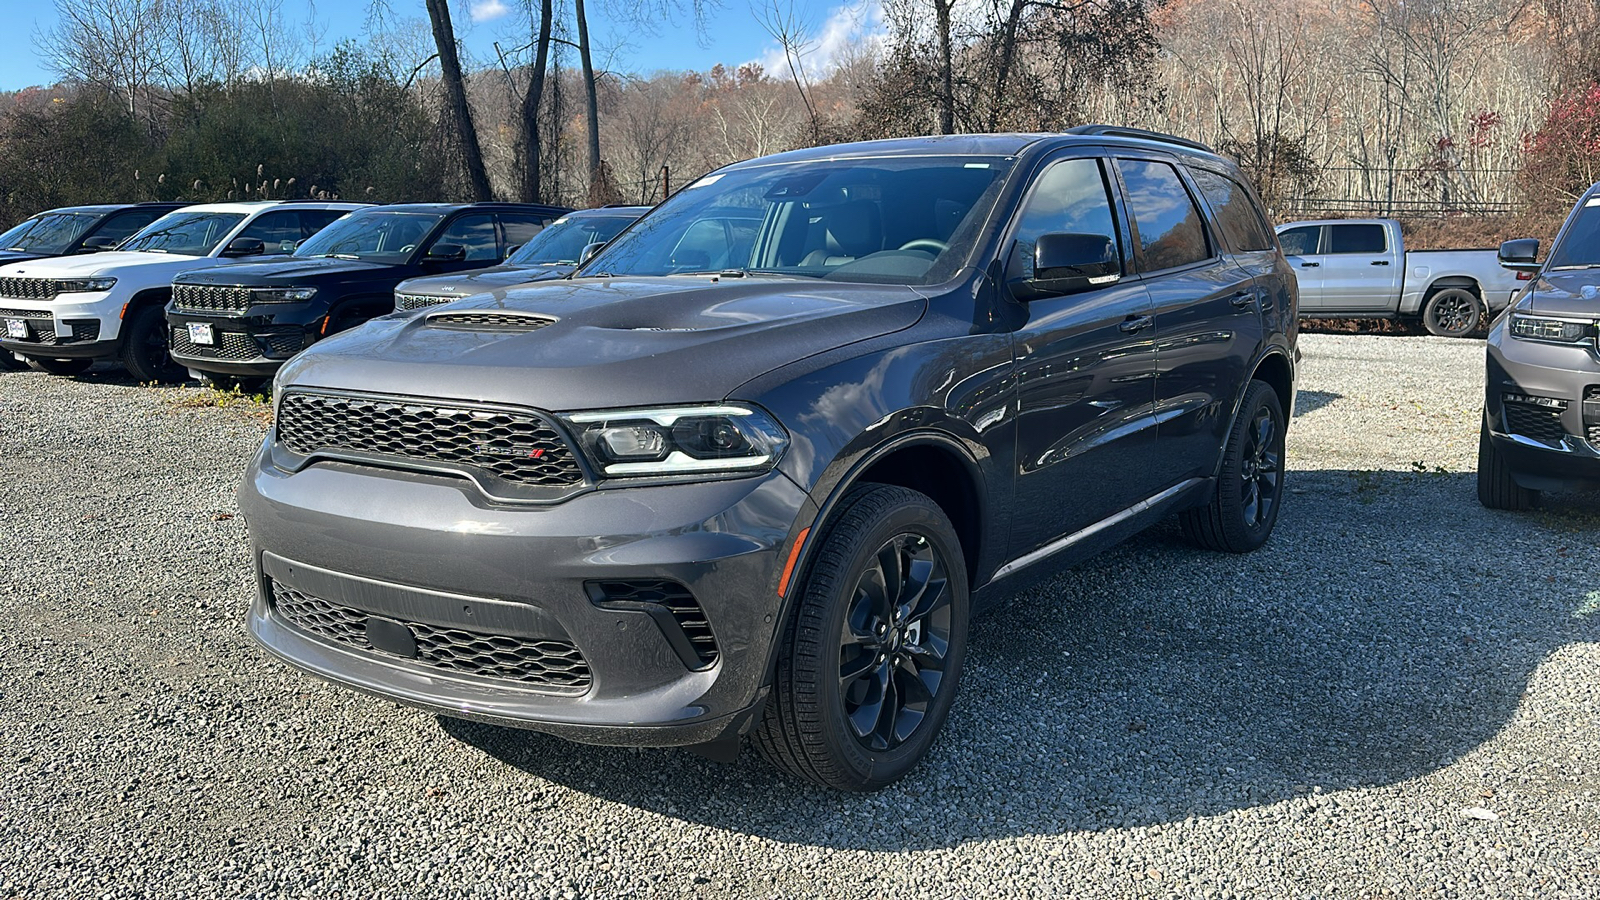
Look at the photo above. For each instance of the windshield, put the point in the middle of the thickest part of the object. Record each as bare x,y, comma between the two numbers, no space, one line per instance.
49,233
184,233
1580,246
385,237
901,220
560,243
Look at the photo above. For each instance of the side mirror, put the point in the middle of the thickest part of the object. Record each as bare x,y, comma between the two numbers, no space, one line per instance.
446,253
511,249
589,251
244,247
98,244
1064,263
1520,254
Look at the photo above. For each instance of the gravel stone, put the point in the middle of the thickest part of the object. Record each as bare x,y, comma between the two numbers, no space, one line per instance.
1328,717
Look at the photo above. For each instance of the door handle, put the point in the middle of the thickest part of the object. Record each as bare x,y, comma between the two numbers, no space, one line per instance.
1133,324
1380,262
1242,299
1306,265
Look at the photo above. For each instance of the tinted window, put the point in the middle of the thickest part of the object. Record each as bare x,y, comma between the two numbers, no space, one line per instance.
1071,198
1580,246
1169,224
1237,216
121,225
475,233
1357,239
49,233
564,239
314,220
279,231
1300,241
911,220
520,229
379,235
186,233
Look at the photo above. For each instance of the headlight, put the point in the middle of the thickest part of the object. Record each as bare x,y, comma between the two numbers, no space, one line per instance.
1542,328
679,440
283,295
84,285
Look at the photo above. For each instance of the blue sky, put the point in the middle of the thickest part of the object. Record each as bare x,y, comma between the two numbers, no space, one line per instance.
733,35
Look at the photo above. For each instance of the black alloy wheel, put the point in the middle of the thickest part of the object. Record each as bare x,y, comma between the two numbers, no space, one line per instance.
1452,312
895,642
144,347
870,657
1242,510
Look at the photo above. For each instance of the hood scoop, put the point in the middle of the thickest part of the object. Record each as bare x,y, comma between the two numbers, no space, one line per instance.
497,320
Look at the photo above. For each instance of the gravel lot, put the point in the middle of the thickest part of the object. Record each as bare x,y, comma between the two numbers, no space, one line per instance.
1396,696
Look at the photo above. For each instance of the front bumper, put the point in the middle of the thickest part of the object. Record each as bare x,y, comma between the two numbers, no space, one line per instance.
251,345
73,326
431,552
1542,405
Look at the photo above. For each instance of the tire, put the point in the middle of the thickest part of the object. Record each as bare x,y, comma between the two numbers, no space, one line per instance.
61,366
866,729
1452,312
241,383
1496,488
144,347
1244,507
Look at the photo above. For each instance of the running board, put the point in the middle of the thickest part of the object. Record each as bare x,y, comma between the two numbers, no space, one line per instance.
1082,534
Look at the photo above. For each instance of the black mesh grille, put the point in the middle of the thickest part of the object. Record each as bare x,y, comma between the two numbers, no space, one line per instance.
84,331
285,342
1535,422
488,321
229,345
1591,413
517,447
677,599
210,298
418,301
28,288
40,331
25,314
552,665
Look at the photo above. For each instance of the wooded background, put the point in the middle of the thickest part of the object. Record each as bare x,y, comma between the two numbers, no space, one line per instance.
1471,119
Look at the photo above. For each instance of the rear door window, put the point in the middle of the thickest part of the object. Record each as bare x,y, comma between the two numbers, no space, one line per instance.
1357,239
1300,241
119,226
1170,228
520,229
1241,222
278,231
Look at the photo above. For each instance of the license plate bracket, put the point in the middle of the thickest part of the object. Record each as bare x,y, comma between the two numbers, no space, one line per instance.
202,333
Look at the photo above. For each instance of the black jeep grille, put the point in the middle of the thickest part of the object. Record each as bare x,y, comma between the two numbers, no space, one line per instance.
1535,422
418,301
488,321
210,298
518,447
554,666
230,345
28,288
43,331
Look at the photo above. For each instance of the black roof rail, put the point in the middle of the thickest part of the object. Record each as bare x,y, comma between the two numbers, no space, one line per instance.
1140,133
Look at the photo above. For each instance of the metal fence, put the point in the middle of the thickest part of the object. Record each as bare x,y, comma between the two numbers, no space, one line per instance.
1406,193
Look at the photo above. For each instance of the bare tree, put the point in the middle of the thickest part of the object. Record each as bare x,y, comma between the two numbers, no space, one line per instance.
444,37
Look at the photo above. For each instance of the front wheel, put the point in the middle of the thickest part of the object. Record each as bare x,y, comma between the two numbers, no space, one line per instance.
9,360
1241,512
144,347
872,655
61,366
1496,488
1452,312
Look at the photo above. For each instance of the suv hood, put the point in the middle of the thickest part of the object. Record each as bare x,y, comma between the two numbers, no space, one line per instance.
108,263
1571,293
610,342
466,284
285,271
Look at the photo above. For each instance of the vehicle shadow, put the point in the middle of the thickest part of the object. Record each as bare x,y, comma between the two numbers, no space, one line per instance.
1159,682
1311,401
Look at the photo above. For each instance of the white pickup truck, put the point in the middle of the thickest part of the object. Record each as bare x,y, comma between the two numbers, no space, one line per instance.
62,314
1360,269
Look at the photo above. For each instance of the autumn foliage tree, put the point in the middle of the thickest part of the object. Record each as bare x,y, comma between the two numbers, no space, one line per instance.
1562,159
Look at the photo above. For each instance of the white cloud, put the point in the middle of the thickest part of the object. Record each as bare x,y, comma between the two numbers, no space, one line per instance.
487,10
847,26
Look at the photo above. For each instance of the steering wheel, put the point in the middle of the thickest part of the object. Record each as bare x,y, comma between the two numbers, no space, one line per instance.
937,246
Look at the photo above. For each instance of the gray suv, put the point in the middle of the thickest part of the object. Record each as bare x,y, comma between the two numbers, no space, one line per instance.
751,469
1541,423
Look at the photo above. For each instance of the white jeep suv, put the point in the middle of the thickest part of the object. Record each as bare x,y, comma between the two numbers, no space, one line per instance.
63,314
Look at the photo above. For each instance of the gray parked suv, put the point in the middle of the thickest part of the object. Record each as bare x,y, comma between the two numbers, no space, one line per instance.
752,467
1541,422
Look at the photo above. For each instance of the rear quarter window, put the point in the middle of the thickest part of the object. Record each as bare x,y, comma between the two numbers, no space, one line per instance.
1357,239
1242,224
